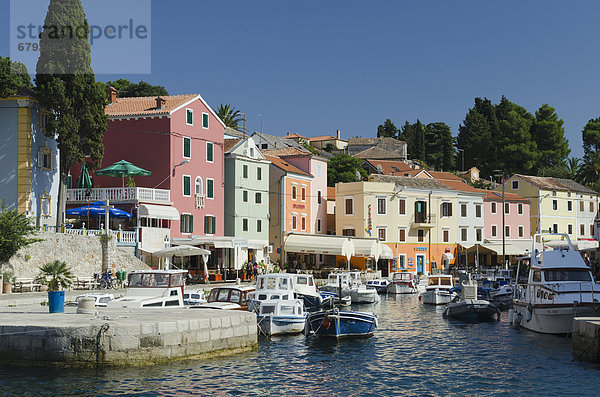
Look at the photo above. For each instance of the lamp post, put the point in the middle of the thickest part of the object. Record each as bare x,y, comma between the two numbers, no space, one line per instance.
501,173
463,159
172,172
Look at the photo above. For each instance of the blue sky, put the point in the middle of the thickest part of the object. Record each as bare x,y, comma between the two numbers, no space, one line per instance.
316,66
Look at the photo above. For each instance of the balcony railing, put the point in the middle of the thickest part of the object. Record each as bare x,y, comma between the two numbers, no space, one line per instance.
122,238
424,220
118,195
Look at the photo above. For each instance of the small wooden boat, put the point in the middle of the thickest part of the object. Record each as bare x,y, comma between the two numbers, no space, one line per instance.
277,317
339,324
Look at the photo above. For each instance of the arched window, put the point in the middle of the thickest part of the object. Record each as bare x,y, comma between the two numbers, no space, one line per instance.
198,185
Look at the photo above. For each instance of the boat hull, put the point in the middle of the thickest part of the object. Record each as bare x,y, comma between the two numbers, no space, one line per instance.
436,297
472,310
553,319
280,325
401,289
364,296
340,324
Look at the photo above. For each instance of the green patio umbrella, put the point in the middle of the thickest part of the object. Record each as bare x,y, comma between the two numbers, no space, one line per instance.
84,181
122,168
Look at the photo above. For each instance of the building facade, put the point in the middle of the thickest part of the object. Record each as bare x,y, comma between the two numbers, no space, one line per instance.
29,176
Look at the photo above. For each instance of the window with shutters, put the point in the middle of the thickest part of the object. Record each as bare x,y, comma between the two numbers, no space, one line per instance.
303,193
187,147
478,235
446,235
507,208
420,212
294,192
45,158
294,222
259,173
259,225
506,231
187,185
515,185
303,223
210,224
381,206
245,171
446,209
463,210
420,235
205,120
257,198
569,205
522,231
402,234
210,188
463,234
477,211
591,206
348,232
245,196
245,224
591,230
493,209
381,233
189,116
349,206
494,231
581,206
186,223
402,206
210,152
520,209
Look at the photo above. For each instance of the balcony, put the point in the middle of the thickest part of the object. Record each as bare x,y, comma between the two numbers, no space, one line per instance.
119,195
423,221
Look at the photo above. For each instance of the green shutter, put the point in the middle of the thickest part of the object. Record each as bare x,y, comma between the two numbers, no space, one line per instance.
187,150
258,225
182,223
214,224
209,188
186,185
204,120
245,168
257,198
209,152
191,228
245,196
259,173
190,116
206,225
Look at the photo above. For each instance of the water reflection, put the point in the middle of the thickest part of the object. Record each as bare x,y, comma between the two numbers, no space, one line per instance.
415,351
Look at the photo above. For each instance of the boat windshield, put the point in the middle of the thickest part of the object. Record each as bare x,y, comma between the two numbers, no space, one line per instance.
137,280
283,283
567,275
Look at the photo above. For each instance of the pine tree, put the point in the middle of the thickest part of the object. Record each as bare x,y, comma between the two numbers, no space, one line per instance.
440,153
387,129
549,134
475,139
591,136
13,76
65,84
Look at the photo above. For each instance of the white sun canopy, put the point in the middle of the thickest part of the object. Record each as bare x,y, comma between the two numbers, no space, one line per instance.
158,212
386,252
315,244
367,248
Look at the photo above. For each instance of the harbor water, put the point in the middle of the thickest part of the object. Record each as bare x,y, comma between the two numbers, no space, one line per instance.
414,352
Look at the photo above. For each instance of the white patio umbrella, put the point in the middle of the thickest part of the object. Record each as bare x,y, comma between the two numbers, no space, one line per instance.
184,250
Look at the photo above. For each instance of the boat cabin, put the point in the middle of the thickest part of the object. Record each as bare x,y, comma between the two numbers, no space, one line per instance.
228,298
440,281
153,288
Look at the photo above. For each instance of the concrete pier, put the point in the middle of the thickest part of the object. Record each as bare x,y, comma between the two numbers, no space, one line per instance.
30,336
585,339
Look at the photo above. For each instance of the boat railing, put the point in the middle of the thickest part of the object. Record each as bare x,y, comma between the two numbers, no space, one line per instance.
542,293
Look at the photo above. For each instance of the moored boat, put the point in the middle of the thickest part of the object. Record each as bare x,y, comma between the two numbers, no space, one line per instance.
152,288
402,283
339,324
352,286
560,287
227,298
277,317
438,290
469,308
380,285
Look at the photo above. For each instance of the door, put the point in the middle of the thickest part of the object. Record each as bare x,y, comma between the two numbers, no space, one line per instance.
420,263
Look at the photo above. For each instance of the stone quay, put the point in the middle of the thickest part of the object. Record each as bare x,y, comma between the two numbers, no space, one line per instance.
585,339
30,336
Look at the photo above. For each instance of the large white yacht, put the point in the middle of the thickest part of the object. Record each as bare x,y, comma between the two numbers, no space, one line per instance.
560,287
438,289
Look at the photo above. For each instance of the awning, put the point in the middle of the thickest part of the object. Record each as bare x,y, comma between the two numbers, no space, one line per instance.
257,244
319,244
510,248
367,248
386,252
158,212
585,245
448,256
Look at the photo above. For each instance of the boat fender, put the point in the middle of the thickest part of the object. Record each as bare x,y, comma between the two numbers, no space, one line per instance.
511,316
528,313
326,323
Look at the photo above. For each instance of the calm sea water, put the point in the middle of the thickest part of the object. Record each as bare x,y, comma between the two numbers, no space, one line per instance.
414,352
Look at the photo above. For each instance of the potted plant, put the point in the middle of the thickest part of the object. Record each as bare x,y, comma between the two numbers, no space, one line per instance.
7,283
57,276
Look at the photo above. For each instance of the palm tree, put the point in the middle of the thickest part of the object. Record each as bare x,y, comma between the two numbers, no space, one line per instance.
589,172
230,116
573,165
55,275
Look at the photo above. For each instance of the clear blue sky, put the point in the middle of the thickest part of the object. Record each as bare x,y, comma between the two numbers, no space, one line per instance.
316,66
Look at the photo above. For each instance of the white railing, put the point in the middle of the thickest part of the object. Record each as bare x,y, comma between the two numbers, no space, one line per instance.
122,237
118,194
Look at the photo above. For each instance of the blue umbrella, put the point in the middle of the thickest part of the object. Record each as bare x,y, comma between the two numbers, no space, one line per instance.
97,209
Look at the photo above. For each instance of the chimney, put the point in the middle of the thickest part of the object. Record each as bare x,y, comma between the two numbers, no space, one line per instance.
339,134
160,103
112,94
288,133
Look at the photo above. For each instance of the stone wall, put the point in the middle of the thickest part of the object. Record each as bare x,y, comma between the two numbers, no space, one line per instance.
82,253
118,338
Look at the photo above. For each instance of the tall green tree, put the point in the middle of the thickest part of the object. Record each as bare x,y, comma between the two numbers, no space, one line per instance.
549,134
589,172
13,76
230,116
573,164
387,129
343,168
414,136
591,136
15,232
439,147
516,148
475,140
127,89
65,84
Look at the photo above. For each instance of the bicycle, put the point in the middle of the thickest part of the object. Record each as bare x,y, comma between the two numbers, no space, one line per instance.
106,281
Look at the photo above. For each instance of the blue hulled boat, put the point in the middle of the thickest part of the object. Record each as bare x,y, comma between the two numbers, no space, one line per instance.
339,324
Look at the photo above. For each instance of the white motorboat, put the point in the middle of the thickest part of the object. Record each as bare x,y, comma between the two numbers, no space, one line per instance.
277,317
271,287
234,297
402,283
100,299
194,297
379,284
560,287
352,286
153,288
438,289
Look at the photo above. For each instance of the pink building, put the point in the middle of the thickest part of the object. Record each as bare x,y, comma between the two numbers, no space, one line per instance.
516,217
179,139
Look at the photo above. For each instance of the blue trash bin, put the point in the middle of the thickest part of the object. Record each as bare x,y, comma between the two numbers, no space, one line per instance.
56,301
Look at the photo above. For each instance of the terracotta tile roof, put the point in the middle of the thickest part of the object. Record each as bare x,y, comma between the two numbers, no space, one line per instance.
377,153
547,182
419,183
374,141
330,193
445,175
390,167
287,152
490,195
233,132
284,165
295,135
229,144
146,105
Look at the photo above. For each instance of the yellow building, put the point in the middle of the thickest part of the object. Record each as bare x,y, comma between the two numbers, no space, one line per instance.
417,218
557,205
